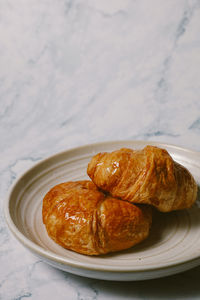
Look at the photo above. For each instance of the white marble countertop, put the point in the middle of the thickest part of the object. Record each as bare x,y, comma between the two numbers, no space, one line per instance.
74,72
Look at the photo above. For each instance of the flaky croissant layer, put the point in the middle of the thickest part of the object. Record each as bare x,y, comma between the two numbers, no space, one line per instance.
81,218
147,176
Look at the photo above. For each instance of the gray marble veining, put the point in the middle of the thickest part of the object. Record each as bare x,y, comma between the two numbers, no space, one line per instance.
73,72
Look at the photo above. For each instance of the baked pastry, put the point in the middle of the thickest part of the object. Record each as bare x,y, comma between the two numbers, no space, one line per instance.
147,176
81,218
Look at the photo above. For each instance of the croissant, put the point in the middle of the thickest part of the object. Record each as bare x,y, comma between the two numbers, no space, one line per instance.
147,176
81,218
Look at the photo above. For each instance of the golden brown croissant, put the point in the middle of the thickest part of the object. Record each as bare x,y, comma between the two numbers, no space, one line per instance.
81,218
147,176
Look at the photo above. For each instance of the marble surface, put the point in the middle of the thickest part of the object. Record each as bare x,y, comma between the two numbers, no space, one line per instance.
74,72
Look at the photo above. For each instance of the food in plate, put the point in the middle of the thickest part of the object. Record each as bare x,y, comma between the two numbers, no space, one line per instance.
147,176
113,212
80,217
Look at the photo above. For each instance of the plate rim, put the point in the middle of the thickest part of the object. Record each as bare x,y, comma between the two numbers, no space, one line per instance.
49,255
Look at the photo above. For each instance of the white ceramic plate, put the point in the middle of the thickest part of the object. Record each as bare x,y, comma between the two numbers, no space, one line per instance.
173,245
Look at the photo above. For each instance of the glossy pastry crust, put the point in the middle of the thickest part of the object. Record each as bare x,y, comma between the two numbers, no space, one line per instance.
147,176
81,218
